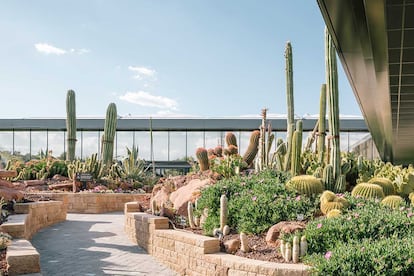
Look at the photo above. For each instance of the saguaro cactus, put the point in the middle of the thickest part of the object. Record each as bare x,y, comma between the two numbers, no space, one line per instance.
71,125
322,125
290,102
332,92
109,135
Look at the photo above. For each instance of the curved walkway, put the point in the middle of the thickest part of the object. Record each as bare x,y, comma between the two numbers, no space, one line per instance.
93,244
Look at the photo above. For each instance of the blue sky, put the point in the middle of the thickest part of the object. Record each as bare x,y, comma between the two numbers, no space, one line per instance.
161,58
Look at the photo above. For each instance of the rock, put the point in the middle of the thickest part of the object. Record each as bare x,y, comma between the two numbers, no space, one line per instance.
67,186
183,195
161,196
5,183
10,194
283,227
34,182
231,246
58,177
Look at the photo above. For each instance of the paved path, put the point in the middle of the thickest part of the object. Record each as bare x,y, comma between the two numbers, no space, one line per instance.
89,245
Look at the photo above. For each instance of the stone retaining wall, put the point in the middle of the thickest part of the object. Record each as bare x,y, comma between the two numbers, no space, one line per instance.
30,217
192,254
93,203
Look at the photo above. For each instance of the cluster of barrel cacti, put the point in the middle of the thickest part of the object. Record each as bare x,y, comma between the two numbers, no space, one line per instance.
330,201
294,251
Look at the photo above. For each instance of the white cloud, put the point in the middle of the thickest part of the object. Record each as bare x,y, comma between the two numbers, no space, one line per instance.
49,49
142,72
146,99
53,50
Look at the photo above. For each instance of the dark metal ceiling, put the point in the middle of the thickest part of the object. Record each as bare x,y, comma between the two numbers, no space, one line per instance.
375,42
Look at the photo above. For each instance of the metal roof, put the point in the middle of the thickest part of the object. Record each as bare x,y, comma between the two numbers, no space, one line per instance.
375,42
170,124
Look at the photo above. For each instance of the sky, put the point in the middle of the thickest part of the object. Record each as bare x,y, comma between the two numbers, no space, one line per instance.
203,58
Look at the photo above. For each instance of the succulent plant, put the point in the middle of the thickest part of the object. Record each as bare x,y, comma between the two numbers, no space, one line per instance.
393,201
244,246
190,213
231,150
202,157
109,135
385,183
223,211
328,177
231,139
303,246
340,184
305,184
288,252
368,190
252,149
71,125
330,201
295,249
333,213
218,151
318,173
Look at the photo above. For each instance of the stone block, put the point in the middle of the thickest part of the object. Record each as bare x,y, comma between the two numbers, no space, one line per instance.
22,258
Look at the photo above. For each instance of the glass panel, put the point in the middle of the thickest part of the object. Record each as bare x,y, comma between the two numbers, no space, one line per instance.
124,139
142,140
160,145
212,139
177,146
6,138
22,144
194,140
90,143
39,144
57,144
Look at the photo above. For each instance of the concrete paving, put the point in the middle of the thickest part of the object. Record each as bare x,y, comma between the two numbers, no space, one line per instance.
93,244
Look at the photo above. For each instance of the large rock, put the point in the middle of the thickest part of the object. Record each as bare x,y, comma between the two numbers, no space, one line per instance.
10,194
287,227
189,192
161,195
231,246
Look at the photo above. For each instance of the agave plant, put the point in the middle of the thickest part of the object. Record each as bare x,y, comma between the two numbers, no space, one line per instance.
133,168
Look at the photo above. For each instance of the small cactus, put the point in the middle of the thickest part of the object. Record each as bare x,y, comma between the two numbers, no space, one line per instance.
288,252
340,184
385,183
190,215
231,139
153,207
226,230
305,184
223,211
330,201
295,249
282,248
328,177
244,246
252,149
368,190
393,201
303,246
202,157
333,213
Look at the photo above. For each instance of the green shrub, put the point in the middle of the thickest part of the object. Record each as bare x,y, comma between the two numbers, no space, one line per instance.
365,219
255,202
389,256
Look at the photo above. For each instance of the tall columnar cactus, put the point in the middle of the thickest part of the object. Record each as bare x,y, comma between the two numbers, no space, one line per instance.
340,184
290,103
252,149
202,157
190,214
223,211
71,125
322,125
109,135
297,149
333,97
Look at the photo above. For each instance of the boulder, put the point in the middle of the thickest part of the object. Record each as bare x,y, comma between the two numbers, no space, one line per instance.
231,246
161,196
5,183
287,227
189,192
10,194
34,182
